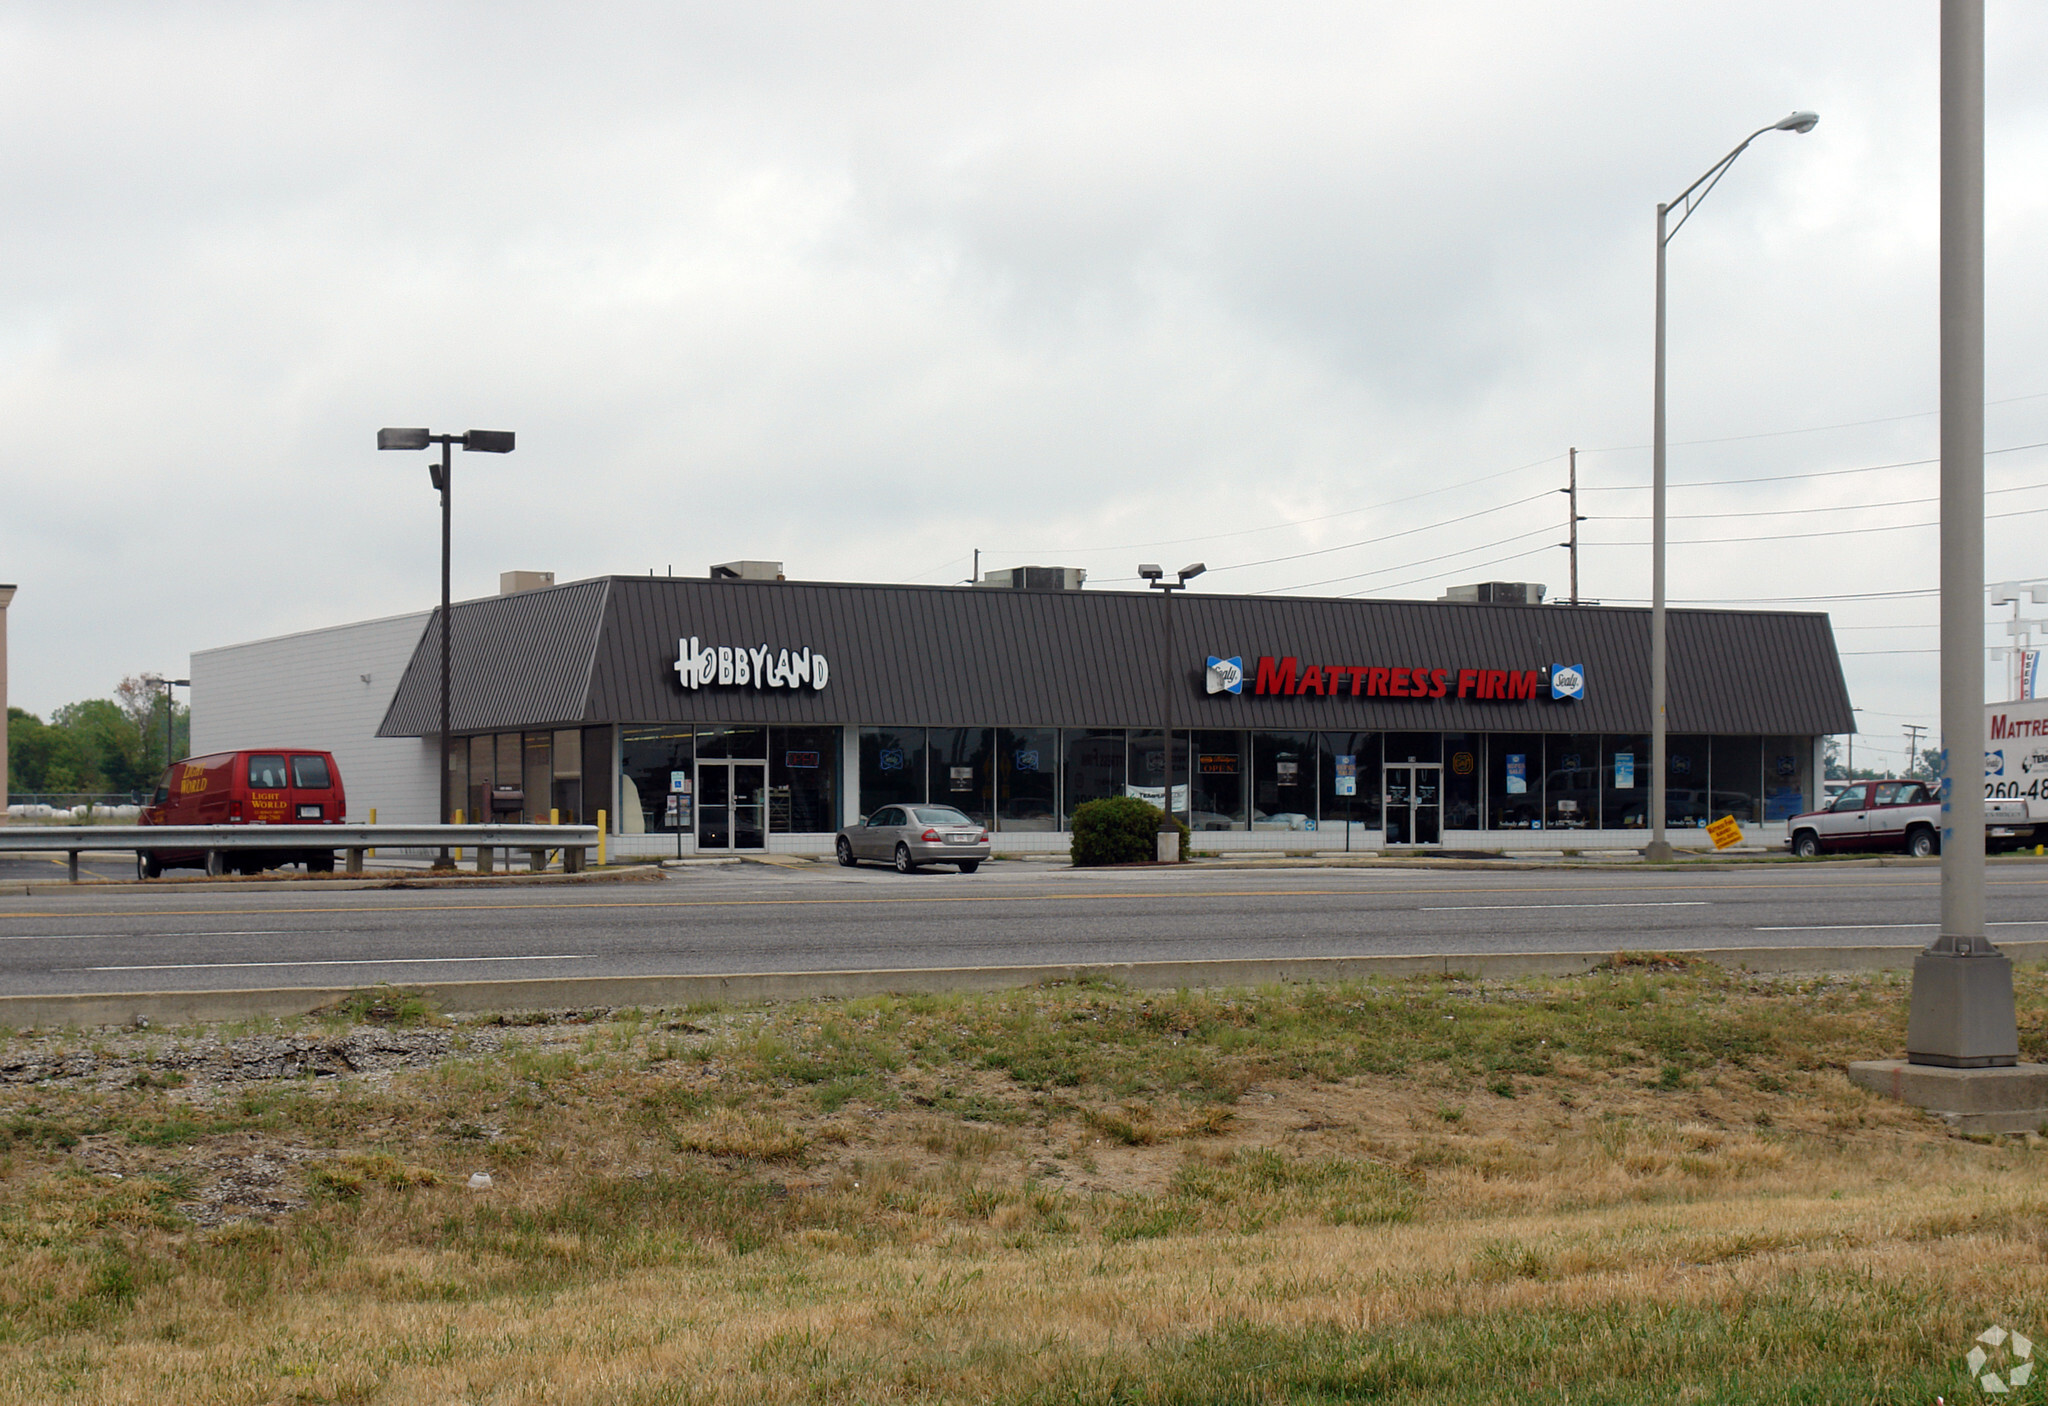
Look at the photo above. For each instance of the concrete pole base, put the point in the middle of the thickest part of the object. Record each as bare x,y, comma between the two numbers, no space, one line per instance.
1657,851
1962,1014
2010,1099
1169,847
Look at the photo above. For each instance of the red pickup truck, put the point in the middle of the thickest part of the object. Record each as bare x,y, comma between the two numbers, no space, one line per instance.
1868,815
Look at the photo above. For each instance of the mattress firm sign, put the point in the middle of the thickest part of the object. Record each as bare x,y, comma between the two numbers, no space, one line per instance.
700,665
1289,677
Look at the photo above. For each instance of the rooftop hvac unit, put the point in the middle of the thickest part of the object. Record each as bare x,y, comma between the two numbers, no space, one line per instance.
1036,578
747,571
1498,593
511,583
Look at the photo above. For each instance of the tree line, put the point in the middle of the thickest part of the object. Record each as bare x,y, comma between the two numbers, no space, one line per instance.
104,745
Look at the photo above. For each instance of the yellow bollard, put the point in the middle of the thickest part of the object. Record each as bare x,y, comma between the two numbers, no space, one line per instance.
554,817
458,821
600,837
373,821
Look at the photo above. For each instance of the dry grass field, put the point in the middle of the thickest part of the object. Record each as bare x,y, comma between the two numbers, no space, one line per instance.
1648,1184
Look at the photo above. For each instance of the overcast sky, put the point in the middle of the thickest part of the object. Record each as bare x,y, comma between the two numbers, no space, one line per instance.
863,288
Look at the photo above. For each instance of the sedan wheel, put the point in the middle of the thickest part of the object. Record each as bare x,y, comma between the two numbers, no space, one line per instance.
903,861
968,866
845,850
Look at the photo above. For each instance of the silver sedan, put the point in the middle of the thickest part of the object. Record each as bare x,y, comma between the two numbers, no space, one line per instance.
909,836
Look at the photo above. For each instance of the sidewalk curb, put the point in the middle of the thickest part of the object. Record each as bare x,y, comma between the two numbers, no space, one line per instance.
171,1008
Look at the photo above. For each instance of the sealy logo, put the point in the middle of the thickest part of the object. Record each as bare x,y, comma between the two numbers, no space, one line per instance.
1568,681
700,665
1226,675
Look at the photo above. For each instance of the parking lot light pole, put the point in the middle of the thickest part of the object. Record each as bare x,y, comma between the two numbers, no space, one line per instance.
170,717
1689,199
1962,1014
1155,577
442,475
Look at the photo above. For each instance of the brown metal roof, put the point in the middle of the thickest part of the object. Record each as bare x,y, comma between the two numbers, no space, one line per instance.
605,650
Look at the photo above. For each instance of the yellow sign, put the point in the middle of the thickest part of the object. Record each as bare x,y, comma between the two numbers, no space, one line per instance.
1725,832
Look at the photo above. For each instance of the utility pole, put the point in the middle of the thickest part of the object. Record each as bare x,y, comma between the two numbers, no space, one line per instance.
1913,731
1573,544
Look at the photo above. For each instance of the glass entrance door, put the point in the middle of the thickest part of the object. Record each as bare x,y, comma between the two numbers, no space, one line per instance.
732,805
1414,803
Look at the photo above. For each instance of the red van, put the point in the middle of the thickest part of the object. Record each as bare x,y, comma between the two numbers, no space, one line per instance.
276,786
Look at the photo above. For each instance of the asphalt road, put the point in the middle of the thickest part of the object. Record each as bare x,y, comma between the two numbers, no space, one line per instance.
754,919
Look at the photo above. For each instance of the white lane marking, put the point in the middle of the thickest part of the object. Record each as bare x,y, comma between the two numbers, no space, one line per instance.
1866,927
339,962
1527,907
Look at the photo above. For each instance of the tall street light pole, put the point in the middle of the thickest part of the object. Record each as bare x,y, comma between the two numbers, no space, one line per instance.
1962,1010
1688,201
170,711
442,475
1169,833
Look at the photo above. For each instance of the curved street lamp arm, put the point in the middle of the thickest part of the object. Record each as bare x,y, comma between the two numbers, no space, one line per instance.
1692,196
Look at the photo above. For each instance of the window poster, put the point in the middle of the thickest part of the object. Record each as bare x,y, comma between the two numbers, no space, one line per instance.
1624,771
1518,774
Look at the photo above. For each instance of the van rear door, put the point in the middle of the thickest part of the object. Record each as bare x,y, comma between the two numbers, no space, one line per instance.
315,798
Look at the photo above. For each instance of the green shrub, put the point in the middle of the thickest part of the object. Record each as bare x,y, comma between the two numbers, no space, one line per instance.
1119,830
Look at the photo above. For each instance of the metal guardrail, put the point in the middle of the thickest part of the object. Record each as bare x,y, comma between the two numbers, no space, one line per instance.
216,842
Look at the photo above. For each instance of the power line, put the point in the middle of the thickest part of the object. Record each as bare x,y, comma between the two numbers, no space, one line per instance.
1810,429
1834,532
1423,561
1792,512
1372,541
1780,478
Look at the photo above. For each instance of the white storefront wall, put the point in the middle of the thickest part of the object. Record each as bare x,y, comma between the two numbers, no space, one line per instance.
326,689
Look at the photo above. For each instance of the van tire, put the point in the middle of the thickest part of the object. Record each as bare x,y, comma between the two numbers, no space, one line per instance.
148,866
1920,842
1806,844
321,863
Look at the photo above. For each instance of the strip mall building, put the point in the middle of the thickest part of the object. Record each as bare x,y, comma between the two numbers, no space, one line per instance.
707,715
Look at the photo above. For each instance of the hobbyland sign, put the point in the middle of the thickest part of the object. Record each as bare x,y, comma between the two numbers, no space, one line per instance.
700,665
1287,676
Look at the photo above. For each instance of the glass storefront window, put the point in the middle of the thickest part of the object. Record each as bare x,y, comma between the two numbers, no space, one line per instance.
1350,768
891,767
962,761
1685,788
1625,782
1415,746
745,744
1142,779
653,763
475,799
1514,781
1461,781
1737,769
506,799
537,779
1219,782
1092,767
1027,773
1788,764
1571,782
1283,780
599,793
803,780
566,794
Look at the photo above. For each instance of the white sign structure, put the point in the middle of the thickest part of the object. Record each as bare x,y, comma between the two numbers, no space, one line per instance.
700,665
